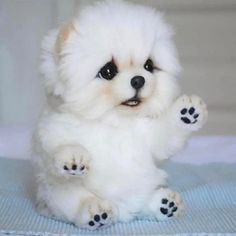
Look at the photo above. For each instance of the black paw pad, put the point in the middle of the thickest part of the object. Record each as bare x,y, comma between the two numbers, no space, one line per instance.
91,223
98,220
174,209
82,168
168,208
164,210
65,167
74,169
186,120
164,201
189,116
183,111
104,215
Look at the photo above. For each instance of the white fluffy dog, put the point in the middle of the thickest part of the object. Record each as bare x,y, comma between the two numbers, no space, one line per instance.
113,113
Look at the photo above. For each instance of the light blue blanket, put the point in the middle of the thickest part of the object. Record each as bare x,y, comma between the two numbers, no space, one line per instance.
209,193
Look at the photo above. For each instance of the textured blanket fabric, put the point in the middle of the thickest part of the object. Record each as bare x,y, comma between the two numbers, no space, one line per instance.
209,192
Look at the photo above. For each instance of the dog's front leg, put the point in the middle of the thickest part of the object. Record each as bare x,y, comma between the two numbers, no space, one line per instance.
187,114
71,160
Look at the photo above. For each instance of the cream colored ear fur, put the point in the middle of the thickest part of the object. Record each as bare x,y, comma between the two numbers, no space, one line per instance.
63,35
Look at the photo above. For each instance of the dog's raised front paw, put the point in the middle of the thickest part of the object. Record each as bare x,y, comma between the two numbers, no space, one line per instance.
166,204
191,112
95,213
71,160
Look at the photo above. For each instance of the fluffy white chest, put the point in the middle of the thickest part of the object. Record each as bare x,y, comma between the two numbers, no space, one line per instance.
122,166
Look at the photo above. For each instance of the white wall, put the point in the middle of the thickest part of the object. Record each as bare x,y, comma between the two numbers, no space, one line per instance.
23,23
205,37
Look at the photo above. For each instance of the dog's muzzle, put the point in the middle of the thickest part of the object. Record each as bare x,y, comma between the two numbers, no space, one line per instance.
137,82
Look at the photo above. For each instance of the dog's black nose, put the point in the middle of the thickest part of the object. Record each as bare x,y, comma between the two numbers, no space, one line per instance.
137,82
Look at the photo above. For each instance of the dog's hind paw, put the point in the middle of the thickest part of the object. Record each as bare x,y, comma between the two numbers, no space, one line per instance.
95,213
166,204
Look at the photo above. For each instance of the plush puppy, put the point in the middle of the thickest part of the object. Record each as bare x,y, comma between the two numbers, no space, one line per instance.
113,113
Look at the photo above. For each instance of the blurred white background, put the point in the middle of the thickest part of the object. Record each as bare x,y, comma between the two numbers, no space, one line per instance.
205,38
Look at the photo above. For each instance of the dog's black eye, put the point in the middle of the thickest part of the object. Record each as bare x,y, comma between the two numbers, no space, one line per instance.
149,65
108,71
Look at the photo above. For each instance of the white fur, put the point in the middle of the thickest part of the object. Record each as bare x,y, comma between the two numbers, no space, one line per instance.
121,146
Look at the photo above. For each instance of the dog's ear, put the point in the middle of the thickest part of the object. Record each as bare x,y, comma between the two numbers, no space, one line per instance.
52,52
63,36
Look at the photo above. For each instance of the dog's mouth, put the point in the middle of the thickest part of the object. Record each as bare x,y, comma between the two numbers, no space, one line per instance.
132,102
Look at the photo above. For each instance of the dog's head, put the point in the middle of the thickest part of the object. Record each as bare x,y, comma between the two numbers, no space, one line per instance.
113,57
